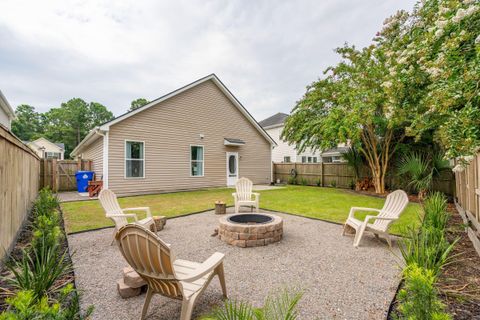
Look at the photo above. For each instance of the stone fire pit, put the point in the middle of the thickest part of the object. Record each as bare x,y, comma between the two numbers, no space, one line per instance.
250,229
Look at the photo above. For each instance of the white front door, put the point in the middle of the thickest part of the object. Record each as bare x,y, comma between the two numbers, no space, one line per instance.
232,168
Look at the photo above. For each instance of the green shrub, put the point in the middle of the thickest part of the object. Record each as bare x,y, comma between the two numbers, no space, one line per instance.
318,182
39,269
280,306
292,180
24,306
435,211
304,182
46,203
333,184
418,298
428,248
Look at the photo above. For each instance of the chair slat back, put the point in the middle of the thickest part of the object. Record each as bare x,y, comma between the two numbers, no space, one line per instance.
394,205
109,202
151,258
244,189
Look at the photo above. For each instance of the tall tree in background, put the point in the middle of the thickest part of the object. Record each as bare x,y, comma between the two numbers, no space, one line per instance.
71,122
137,103
27,125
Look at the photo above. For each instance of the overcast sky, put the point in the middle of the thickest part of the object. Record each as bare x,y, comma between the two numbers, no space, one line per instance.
112,52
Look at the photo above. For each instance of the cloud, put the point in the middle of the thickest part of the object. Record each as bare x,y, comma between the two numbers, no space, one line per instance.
113,52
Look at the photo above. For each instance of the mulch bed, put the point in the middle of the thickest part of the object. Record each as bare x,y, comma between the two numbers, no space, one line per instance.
459,283
460,280
23,240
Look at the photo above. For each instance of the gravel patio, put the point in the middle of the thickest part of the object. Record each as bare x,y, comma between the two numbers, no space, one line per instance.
339,281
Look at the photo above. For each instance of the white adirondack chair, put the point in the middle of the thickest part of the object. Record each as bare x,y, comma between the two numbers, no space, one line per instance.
244,195
109,202
154,261
393,207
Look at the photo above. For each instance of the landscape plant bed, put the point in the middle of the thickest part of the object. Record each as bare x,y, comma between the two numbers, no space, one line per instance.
459,283
23,240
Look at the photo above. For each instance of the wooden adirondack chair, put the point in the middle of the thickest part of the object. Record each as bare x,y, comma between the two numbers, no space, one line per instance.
154,261
393,207
109,202
244,195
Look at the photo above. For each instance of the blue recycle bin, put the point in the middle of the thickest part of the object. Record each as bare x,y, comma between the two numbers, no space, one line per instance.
82,180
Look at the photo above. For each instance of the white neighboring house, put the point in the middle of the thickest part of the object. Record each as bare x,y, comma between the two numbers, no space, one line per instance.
46,149
7,114
285,152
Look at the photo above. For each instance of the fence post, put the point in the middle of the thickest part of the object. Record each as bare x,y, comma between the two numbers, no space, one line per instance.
54,175
45,173
79,164
89,165
321,174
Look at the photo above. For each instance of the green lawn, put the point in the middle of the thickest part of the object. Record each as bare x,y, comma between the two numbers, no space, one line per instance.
322,203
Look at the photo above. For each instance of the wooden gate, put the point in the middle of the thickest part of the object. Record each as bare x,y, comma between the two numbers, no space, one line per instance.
59,175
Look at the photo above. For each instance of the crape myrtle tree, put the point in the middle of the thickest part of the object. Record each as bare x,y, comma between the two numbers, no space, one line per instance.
420,75
350,104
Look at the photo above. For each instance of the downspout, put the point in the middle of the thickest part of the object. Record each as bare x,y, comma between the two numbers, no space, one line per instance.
104,134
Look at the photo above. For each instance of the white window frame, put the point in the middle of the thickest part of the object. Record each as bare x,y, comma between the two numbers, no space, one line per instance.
304,159
125,160
314,160
202,161
289,159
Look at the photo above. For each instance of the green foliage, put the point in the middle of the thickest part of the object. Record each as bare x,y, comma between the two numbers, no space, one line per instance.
46,225
420,169
318,182
137,103
292,180
68,123
436,214
304,182
279,306
38,269
354,160
333,184
418,298
27,125
24,306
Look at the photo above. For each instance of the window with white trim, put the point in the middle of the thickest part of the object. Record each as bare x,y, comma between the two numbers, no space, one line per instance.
314,159
309,160
53,155
304,159
134,159
286,159
196,161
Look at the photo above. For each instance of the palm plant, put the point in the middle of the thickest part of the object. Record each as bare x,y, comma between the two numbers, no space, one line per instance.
280,306
354,160
420,169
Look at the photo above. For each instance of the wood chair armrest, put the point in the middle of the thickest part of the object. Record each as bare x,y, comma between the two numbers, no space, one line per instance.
146,209
206,267
123,215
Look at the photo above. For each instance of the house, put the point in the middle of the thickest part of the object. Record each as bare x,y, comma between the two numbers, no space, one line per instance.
334,155
198,136
285,152
7,114
46,149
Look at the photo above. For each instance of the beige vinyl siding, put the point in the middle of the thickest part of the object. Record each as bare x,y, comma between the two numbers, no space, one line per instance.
171,127
94,152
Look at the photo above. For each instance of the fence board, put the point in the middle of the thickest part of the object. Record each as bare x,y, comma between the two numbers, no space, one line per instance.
19,182
468,198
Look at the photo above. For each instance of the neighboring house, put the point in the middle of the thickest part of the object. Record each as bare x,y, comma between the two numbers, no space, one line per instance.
335,154
7,114
198,136
46,149
285,152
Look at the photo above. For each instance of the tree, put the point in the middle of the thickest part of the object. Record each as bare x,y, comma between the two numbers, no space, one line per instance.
140,102
27,125
351,105
71,122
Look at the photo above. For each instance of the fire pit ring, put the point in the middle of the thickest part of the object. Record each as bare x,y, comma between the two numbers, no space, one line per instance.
250,229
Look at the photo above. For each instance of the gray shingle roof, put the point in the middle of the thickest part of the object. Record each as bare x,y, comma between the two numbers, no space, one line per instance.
278,118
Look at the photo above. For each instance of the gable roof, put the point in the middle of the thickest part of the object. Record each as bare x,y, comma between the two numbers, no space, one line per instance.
36,142
6,106
275,120
212,77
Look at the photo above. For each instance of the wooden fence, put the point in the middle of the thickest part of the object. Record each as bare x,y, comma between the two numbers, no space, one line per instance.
341,175
468,199
59,175
19,170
